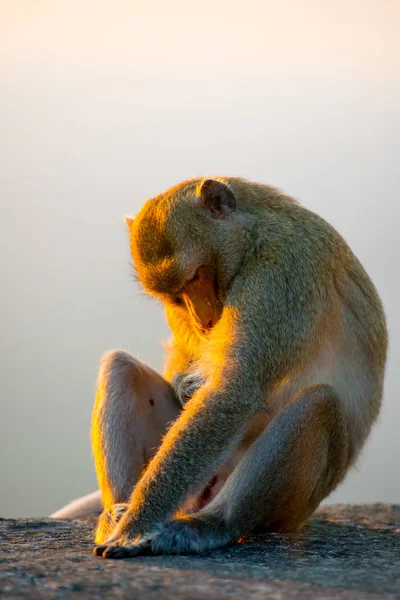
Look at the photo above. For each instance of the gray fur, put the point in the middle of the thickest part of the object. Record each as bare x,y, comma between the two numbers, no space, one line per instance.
288,382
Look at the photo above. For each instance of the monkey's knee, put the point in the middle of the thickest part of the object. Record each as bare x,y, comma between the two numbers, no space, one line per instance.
321,411
123,381
320,406
321,398
125,408
117,364
125,378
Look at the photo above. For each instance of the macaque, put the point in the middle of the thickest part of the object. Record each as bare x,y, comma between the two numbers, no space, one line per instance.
273,379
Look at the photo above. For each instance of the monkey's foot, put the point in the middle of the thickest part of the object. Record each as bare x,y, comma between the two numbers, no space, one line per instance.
188,535
192,535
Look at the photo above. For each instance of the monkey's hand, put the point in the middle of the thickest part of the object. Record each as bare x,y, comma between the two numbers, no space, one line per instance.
195,534
108,521
185,385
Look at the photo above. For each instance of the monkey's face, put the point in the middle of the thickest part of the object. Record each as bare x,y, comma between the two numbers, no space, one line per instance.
175,251
187,279
200,297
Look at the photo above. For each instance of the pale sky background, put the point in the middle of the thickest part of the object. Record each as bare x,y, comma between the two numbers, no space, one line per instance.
105,104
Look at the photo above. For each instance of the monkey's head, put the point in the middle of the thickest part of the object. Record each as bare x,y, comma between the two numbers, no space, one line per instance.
187,245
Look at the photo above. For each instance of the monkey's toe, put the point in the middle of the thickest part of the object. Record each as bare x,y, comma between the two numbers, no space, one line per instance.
118,551
114,551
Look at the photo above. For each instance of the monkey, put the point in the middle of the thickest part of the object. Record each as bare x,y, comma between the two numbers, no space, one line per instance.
273,379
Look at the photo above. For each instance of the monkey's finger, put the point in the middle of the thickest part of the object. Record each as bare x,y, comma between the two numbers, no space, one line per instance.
98,550
125,551
118,551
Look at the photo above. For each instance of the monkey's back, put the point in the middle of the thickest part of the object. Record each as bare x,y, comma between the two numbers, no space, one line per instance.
351,336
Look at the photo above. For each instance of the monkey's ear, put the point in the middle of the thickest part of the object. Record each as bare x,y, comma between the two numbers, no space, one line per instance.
129,220
217,198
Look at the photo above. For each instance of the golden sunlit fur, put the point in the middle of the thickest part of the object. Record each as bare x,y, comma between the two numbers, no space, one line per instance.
279,367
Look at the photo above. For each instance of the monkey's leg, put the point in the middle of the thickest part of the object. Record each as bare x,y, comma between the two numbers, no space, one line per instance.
133,408
295,463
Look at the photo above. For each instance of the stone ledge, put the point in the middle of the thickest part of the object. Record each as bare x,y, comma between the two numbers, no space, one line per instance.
345,552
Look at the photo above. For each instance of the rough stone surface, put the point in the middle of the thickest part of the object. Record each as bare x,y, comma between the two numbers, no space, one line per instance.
345,552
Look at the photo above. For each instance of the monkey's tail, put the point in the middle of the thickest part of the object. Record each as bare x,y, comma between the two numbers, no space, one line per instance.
86,506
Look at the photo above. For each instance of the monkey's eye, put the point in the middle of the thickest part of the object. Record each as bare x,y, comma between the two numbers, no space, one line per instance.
195,277
177,300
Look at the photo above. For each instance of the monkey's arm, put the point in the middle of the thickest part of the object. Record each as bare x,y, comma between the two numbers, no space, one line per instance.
213,420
